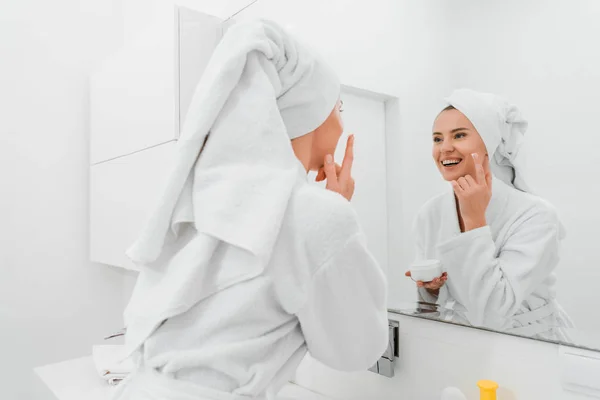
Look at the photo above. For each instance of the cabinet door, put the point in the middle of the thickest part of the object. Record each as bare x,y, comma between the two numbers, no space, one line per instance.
123,192
137,95
133,95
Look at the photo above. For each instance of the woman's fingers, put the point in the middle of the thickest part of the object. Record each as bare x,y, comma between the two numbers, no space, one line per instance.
479,171
437,283
470,181
330,173
321,173
346,171
488,179
456,187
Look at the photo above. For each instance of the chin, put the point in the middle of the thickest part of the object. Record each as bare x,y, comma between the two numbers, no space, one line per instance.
449,177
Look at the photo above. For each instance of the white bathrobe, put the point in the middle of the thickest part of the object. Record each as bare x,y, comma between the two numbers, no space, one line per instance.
500,276
244,265
322,292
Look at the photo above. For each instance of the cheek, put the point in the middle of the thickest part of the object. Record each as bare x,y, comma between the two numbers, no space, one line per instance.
466,147
332,140
475,145
482,149
338,136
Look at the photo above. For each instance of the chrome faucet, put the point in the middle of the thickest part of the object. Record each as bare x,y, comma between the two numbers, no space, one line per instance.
385,365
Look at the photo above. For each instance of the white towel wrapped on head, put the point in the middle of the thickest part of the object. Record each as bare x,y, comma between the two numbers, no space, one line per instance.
502,127
260,89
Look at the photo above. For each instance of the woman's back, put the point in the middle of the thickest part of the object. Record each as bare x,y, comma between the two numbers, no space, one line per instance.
249,338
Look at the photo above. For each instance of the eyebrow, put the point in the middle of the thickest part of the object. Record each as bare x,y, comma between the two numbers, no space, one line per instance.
452,131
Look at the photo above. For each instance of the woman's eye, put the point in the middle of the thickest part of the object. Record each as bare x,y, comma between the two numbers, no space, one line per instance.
437,140
459,135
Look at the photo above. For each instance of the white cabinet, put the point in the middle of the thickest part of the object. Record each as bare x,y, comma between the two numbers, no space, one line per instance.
122,193
140,95
139,98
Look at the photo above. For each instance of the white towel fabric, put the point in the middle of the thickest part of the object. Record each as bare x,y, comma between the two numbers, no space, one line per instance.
322,292
502,127
260,89
109,363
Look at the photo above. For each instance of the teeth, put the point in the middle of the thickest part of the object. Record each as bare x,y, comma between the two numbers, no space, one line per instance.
450,162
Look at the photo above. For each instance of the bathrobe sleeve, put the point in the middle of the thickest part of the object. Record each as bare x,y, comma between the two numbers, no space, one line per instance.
344,318
496,283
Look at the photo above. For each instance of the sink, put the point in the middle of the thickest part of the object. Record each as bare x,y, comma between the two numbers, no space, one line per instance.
77,379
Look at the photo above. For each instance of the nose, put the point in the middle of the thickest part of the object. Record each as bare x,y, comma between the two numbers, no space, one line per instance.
447,146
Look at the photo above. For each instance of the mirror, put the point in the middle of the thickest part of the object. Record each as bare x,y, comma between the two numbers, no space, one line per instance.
526,281
513,272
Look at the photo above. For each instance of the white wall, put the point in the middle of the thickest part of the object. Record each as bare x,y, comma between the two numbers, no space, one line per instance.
54,304
542,56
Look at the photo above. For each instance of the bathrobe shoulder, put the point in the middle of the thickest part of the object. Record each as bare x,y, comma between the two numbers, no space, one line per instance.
341,306
493,270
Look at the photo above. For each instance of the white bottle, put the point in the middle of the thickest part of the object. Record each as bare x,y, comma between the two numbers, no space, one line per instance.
452,393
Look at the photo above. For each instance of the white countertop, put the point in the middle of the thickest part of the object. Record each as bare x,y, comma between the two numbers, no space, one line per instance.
77,379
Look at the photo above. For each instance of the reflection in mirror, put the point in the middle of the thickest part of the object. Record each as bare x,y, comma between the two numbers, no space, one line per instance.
497,242
512,247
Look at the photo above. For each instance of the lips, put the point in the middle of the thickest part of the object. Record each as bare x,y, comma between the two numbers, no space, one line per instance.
450,162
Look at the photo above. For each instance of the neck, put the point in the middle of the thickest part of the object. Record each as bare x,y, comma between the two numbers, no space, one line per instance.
302,147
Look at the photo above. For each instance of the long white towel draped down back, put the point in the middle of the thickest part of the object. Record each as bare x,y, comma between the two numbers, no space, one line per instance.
500,276
244,265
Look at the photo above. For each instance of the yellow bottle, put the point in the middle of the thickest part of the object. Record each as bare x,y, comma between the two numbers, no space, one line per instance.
487,390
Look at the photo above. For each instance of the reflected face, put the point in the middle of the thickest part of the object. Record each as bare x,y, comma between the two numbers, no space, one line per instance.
454,140
326,137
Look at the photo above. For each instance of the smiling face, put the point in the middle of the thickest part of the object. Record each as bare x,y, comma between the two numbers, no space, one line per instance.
454,140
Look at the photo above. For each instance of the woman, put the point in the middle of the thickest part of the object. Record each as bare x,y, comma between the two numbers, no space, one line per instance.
498,243
245,266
